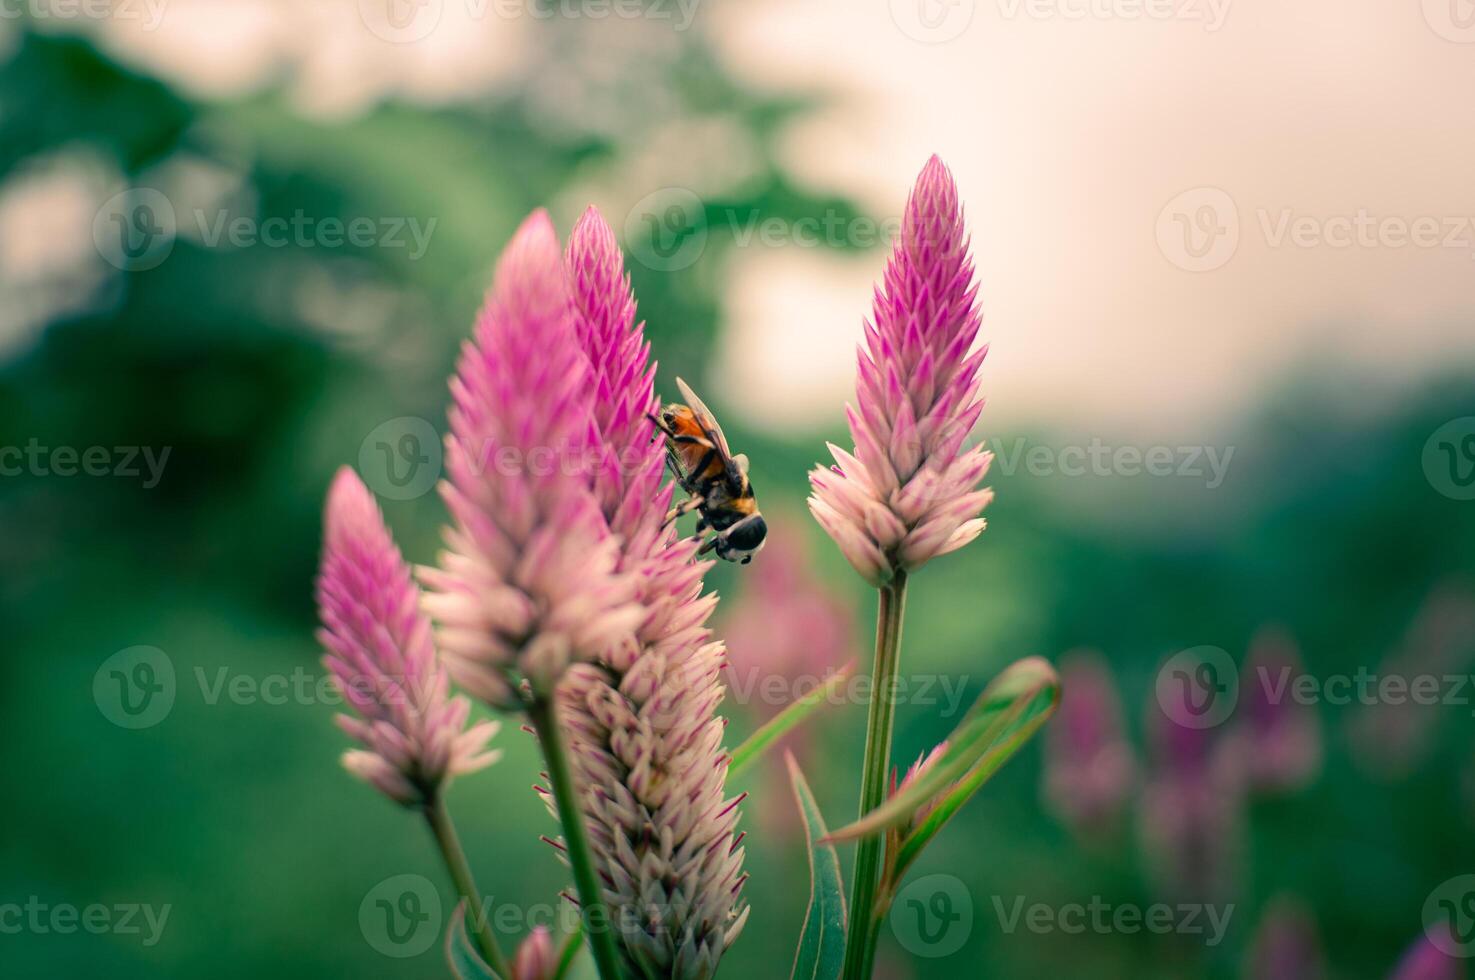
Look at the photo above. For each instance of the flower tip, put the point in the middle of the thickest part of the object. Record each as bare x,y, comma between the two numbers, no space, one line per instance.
350,505
533,259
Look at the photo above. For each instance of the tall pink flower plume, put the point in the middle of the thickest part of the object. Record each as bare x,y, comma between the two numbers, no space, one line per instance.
526,584
647,742
1090,769
908,491
381,657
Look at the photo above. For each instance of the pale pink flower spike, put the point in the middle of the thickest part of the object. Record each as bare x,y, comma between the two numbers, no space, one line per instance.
381,657
907,493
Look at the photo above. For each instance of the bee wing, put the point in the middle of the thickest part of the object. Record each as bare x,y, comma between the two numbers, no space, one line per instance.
705,418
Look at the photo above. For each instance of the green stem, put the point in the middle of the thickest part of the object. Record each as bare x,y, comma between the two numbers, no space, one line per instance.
542,714
860,945
476,913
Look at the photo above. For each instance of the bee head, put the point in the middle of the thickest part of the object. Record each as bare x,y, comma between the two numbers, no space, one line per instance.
743,540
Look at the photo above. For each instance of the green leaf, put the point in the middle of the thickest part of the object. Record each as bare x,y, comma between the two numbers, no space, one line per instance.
466,962
572,943
1009,711
764,738
821,952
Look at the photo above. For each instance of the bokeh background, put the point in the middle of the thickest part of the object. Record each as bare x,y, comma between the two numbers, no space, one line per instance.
240,241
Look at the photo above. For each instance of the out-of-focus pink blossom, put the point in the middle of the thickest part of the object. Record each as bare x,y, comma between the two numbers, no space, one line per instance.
1090,768
1276,738
382,659
1191,815
908,492
784,622
1392,739
1424,960
1286,945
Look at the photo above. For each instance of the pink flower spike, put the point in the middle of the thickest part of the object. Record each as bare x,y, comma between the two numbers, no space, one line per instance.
527,582
536,957
908,492
380,656
642,719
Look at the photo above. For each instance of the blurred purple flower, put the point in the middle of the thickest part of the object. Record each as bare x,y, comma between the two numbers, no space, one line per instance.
907,493
1285,945
641,718
1392,739
1191,818
1090,768
382,659
1424,960
785,622
1276,739
526,584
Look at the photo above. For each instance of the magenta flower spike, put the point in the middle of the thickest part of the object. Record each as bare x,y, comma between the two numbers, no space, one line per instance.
1090,768
1426,959
641,719
1286,945
907,493
1276,738
381,658
527,582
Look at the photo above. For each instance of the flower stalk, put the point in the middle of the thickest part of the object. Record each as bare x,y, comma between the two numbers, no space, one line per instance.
451,851
543,716
860,949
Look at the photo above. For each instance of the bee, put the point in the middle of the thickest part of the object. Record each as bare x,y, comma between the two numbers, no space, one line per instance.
716,481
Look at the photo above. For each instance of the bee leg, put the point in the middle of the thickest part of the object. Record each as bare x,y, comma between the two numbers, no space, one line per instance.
685,507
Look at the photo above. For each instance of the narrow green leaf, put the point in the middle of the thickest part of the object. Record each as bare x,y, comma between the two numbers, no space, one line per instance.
572,943
821,952
1009,711
466,962
764,738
